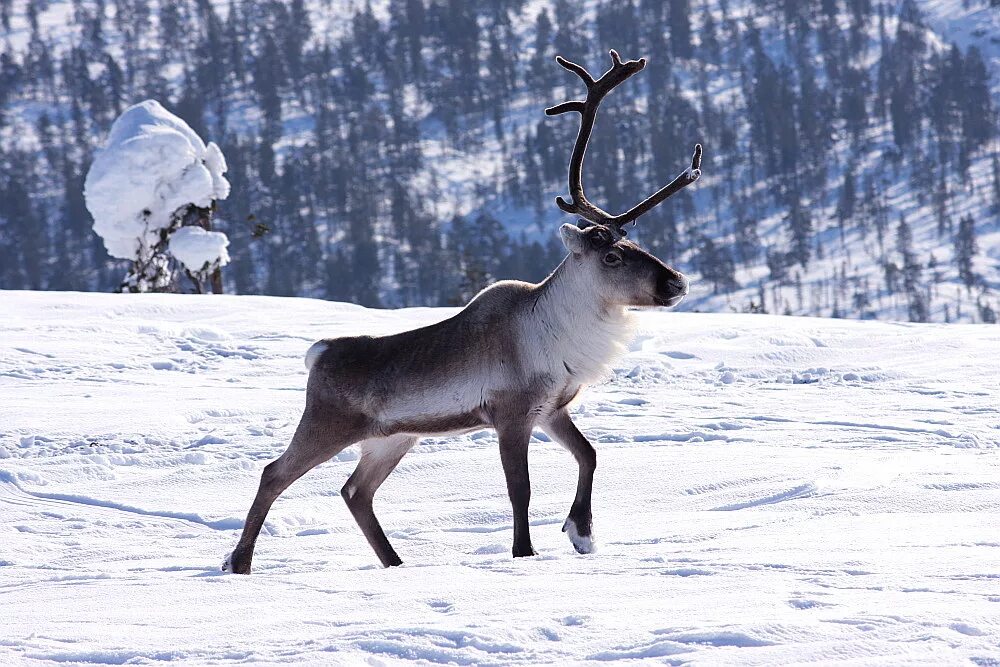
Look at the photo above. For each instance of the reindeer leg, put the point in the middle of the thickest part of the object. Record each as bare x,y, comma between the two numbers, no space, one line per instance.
378,459
312,444
578,523
514,456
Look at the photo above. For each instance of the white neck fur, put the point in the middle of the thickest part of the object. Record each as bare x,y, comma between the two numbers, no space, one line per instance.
570,329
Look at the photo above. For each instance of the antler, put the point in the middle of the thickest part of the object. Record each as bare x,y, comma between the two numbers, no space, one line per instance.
596,90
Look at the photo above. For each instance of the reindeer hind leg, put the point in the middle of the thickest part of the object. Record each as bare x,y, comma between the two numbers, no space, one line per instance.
379,458
316,440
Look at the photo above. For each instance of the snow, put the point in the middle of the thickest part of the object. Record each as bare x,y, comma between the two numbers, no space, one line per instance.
152,165
968,24
770,490
195,247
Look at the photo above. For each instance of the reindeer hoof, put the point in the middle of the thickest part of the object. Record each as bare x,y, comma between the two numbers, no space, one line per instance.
524,552
584,544
238,568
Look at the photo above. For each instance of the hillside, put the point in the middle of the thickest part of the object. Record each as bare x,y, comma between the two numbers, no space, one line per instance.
770,490
394,153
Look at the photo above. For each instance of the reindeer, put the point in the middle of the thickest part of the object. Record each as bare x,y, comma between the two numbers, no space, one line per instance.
513,360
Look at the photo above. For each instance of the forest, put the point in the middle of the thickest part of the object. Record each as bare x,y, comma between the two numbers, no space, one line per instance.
396,154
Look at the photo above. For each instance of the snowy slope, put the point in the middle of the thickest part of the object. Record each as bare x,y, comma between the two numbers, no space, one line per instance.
770,490
850,265
967,24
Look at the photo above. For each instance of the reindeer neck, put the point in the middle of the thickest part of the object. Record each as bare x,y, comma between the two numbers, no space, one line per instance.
567,292
575,327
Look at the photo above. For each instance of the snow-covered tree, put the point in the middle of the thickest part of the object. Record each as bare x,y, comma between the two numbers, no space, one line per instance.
151,192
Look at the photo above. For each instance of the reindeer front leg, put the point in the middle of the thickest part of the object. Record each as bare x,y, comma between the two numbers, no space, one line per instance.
578,524
514,439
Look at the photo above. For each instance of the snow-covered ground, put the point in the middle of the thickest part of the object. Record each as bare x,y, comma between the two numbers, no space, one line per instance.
770,490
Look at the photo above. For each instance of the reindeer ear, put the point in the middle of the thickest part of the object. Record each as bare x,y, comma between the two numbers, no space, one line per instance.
573,238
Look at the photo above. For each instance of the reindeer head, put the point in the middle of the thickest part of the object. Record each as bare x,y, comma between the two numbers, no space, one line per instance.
619,271
622,272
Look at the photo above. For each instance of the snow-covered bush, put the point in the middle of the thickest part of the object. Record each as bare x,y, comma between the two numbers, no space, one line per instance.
197,248
155,178
200,251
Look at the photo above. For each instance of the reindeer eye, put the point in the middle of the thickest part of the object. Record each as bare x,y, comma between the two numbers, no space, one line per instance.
612,259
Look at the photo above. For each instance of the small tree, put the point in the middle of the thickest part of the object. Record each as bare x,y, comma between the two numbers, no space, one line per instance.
153,181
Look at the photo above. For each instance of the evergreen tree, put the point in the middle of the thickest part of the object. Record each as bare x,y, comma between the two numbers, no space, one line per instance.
800,227
996,183
716,266
848,199
747,239
965,250
853,100
680,28
979,123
